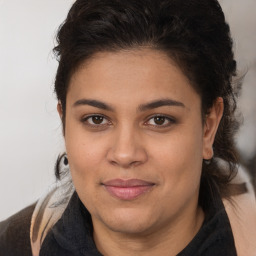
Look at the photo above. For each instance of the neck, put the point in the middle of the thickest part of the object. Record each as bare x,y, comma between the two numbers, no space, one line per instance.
167,239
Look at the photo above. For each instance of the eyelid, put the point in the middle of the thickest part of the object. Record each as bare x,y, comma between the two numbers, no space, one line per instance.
85,118
171,120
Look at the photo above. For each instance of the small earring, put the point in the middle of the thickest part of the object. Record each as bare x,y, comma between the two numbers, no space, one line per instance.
207,161
65,160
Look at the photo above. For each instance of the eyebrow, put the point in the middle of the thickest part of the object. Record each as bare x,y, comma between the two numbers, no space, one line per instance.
160,103
141,108
93,103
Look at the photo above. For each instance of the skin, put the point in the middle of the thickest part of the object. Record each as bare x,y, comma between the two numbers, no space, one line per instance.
129,143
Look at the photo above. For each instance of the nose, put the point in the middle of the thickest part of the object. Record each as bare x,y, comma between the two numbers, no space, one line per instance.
127,149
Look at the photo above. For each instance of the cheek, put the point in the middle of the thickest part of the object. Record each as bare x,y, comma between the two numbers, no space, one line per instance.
84,158
84,152
183,145
178,157
85,163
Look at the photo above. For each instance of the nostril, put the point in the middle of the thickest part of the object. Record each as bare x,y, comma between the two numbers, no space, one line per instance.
113,163
125,164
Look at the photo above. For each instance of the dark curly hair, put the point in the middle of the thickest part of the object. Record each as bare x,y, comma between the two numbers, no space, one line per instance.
193,33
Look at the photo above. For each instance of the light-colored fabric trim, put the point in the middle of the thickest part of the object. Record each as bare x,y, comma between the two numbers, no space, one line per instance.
241,211
50,208
45,215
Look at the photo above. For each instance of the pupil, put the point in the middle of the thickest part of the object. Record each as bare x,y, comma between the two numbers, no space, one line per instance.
97,119
159,120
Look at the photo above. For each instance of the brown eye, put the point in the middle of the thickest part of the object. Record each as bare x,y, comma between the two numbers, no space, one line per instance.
97,119
159,120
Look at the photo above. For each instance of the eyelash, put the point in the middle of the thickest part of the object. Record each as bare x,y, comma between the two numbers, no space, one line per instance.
85,121
168,119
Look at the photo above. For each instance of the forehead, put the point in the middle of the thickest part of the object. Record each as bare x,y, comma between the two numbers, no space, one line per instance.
130,76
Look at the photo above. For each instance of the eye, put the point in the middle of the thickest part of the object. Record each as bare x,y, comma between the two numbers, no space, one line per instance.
160,121
95,120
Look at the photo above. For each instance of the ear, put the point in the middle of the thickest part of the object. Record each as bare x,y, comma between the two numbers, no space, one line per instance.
211,125
59,109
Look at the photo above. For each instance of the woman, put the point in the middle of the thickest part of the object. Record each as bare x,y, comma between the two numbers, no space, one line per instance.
145,97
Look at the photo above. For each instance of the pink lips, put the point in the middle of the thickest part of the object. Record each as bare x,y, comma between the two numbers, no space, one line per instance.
127,189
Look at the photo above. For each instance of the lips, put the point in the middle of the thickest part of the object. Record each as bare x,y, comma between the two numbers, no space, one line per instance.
127,189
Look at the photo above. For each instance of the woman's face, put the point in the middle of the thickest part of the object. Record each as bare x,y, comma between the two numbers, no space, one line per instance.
135,141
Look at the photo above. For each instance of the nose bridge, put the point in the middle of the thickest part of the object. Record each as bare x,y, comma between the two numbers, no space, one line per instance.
127,148
125,140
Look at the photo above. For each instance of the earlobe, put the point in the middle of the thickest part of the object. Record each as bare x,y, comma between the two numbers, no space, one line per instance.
211,125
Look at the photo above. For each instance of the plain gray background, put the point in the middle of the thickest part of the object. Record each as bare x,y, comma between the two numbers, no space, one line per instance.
30,129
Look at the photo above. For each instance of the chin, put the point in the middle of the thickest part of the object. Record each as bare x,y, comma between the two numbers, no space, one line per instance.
128,227
128,221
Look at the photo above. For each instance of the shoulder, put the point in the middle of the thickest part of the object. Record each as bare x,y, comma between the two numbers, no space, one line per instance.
15,233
